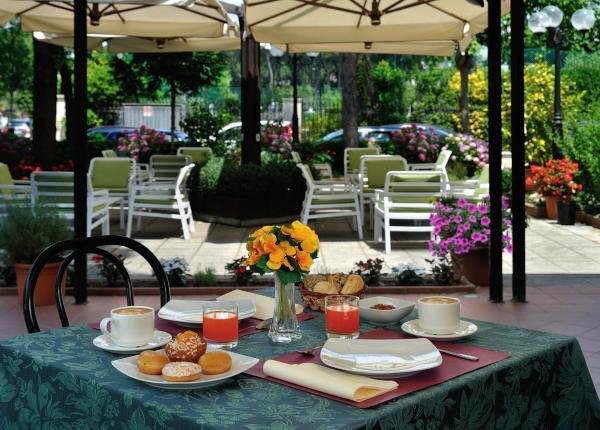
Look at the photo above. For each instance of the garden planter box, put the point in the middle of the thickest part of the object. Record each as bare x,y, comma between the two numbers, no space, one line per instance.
250,210
535,211
588,219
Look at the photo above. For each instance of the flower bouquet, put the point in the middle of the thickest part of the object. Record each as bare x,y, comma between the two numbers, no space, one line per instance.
462,230
288,251
468,151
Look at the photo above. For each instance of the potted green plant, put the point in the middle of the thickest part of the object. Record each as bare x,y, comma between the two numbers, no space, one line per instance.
462,230
24,232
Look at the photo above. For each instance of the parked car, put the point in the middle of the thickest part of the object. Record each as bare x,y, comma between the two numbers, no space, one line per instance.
232,132
20,126
382,133
114,132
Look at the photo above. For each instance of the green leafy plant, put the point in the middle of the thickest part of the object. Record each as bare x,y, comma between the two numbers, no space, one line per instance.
442,270
177,270
107,269
370,270
240,271
203,127
205,278
25,231
409,274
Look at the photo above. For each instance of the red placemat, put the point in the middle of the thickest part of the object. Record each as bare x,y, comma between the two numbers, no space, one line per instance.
451,368
246,326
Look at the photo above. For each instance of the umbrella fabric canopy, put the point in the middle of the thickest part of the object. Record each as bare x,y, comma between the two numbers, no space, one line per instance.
327,21
147,45
149,18
433,47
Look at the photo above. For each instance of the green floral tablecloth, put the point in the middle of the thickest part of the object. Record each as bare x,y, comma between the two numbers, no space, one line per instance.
58,380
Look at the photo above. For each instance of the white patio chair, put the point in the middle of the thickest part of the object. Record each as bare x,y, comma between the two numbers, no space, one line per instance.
12,190
330,200
440,164
371,176
473,190
142,170
117,176
407,196
199,154
56,190
109,153
166,168
352,159
162,200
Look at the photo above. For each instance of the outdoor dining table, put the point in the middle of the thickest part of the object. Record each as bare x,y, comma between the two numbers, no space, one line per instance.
58,379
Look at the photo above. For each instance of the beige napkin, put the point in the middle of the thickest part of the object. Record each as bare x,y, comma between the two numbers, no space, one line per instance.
264,305
327,380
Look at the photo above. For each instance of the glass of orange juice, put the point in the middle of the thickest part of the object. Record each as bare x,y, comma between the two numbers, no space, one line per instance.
342,318
220,324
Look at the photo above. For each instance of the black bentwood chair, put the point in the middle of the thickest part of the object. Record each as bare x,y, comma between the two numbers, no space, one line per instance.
77,247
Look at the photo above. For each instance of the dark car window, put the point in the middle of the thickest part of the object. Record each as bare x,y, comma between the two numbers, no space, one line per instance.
379,136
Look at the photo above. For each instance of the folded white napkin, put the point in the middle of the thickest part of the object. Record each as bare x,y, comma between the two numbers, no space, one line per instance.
264,305
327,380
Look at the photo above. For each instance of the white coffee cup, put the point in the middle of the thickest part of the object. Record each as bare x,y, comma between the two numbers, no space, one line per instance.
439,314
130,326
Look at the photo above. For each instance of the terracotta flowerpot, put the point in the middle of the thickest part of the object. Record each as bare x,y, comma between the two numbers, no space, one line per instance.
551,206
44,289
475,266
566,211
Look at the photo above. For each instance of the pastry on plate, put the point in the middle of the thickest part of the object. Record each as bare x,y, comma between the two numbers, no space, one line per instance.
152,362
181,371
186,346
215,362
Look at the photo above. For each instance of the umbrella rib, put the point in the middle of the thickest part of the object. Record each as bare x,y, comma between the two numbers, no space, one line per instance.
408,6
116,12
28,9
214,18
69,9
393,5
360,17
328,6
448,13
268,18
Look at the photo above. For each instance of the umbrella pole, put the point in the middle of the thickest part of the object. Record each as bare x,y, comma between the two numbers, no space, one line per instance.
80,143
495,148
250,97
517,65
295,124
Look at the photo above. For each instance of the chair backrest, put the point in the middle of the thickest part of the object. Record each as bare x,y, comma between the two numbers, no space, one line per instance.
443,159
182,177
296,157
483,187
375,168
109,153
55,189
308,176
111,173
89,245
167,167
352,158
199,154
414,189
6,180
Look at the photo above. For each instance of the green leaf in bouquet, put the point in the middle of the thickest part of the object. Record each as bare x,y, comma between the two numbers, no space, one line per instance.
287,277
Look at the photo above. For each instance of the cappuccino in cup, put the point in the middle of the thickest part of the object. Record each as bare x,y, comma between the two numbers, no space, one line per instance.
439,314
130,326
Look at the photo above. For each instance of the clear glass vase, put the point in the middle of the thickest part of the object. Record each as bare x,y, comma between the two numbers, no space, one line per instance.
284,328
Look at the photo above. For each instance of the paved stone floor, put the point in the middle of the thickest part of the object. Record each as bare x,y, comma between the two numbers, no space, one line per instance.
563,265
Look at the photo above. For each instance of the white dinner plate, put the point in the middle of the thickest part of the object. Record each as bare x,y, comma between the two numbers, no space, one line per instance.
240,363
188,313
381,358
465,329
104,342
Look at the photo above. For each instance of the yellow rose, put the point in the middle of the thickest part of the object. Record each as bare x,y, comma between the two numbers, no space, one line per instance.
310,244
276,258
287,248
304,260
268,242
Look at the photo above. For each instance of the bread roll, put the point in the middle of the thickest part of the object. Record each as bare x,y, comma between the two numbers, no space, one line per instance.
337,280
324,287
151,362
353,284
215,362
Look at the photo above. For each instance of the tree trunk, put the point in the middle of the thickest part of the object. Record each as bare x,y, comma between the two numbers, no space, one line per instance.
464,62
44,103
173,101
66,88
349,100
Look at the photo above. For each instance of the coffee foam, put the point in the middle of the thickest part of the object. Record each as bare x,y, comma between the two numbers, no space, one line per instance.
439,300
131,311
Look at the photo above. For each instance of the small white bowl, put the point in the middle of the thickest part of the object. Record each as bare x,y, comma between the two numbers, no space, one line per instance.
379,316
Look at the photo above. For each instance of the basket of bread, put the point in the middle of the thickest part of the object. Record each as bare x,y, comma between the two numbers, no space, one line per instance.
315,288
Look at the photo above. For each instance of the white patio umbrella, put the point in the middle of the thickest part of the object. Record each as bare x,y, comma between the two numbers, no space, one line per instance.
148,18
429,47
346,21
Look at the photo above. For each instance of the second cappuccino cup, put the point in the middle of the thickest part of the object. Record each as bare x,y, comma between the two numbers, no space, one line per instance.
439,315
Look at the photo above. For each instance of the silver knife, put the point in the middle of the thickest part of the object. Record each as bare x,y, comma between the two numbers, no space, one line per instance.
459,355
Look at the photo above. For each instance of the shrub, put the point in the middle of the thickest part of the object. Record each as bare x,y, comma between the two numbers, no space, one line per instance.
205,278
240,271
141,144
276,137
107,269
276,178
177,271
468,151
442,270
203,128
409,274
370,270
416,144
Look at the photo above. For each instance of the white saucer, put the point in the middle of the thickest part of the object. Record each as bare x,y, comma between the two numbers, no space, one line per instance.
105,342
466,329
